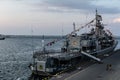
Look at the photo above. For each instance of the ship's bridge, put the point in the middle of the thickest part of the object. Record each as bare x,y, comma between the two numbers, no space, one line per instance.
72,43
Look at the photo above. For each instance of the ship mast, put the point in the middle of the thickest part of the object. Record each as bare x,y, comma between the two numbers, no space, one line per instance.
99,26
74,28
43,44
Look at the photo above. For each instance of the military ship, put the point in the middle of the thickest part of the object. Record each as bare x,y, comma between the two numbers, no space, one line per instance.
97,42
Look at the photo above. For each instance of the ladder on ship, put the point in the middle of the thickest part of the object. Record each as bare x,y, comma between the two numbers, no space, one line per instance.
91,56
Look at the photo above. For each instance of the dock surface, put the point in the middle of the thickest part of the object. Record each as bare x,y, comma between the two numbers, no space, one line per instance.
96,71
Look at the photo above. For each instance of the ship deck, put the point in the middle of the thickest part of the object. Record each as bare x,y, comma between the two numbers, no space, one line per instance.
57,55
96,71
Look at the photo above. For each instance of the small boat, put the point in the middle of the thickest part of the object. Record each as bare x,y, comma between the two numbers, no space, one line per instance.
97,42
2,37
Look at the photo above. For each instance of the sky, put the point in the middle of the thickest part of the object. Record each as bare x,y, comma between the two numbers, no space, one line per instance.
55,17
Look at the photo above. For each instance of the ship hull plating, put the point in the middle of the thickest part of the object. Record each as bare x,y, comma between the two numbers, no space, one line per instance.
63,63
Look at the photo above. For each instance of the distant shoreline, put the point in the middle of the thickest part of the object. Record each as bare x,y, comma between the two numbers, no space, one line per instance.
41,36
34,36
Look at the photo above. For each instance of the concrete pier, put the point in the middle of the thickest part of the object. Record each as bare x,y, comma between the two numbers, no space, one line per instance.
99,72
96,71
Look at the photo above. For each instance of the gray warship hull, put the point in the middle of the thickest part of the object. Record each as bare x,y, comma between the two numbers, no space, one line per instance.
62,61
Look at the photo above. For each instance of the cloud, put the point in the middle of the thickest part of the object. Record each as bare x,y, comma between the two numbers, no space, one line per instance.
74,5
116,20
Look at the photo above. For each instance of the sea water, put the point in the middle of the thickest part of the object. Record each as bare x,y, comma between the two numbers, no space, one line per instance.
16,55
